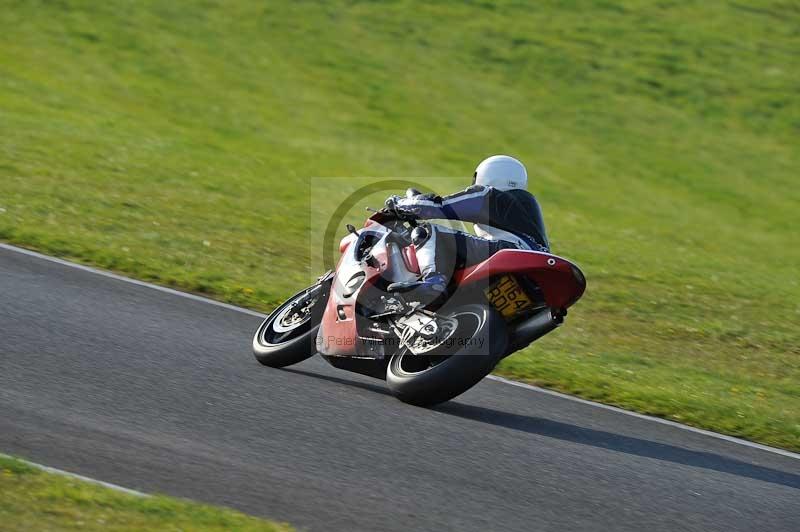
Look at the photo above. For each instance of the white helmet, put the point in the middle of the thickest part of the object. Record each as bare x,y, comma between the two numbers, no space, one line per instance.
501,172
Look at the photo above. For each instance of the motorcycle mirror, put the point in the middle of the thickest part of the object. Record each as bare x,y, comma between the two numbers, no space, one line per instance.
351,228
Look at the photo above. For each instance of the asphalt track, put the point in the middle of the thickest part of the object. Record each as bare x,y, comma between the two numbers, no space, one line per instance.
160,393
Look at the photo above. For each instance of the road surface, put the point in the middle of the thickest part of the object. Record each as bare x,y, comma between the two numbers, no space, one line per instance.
159,393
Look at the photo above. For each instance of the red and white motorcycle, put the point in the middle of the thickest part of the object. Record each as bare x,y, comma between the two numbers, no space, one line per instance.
428,354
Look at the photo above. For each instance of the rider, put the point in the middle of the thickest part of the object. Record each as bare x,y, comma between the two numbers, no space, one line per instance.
505,216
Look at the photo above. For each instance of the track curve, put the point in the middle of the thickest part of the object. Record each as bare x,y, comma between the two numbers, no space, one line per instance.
160,393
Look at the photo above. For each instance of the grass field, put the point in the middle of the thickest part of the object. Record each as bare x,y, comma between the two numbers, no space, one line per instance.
33,500
177,142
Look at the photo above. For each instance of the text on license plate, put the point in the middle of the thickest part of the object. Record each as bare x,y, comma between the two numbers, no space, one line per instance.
508,297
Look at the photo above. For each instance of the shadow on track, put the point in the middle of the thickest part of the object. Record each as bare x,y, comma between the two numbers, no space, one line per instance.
619,443
593,437
348,382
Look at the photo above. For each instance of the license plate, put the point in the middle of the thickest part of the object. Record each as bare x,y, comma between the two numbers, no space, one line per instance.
508,297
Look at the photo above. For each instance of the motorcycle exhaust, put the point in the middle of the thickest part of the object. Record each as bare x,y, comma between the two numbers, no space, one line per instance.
526,332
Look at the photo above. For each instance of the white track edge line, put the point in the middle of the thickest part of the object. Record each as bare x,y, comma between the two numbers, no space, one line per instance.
675,424
137,282
76,476
668,422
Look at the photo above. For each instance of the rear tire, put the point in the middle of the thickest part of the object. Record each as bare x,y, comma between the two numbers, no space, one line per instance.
478,348
288,335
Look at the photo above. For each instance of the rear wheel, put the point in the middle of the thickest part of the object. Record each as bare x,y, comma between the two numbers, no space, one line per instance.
468,355
288,335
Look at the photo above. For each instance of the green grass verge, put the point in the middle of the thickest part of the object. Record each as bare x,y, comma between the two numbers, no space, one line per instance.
31,499
175,143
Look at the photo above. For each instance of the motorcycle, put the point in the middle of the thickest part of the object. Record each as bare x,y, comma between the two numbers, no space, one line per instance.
427,354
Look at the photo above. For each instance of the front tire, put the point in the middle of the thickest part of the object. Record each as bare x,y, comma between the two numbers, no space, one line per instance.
426,380
288,335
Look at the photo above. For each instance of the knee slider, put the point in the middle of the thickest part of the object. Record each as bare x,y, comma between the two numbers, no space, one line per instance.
420,235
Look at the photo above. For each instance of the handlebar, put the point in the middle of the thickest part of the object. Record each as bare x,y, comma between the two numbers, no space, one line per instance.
388,215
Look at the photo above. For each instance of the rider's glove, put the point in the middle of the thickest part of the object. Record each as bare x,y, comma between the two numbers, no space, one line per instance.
391,202
394,206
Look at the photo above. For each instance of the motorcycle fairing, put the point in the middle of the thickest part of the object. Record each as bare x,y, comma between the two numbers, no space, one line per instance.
338,332
560,281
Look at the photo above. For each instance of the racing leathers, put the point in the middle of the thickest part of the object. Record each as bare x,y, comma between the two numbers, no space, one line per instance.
509,219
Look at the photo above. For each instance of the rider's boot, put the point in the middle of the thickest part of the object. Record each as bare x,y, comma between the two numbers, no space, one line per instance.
431,287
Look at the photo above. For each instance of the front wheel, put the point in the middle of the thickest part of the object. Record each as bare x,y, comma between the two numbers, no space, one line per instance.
451,369
288,335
